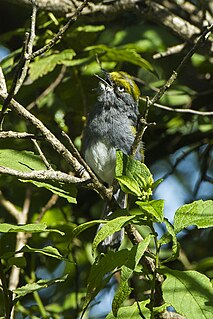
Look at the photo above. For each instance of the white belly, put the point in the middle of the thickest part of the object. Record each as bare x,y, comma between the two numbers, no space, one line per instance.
101,157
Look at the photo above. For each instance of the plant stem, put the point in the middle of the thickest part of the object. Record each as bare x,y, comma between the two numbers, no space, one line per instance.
6,293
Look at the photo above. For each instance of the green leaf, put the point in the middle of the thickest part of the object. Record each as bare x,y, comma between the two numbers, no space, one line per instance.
78,229
24,161
47,251
154,209
43,65
120,54
166,238
27,228
133,175
189,292
110,228
67,191
123,292
129,185
101,272
31,287
132,312
127,270
198,213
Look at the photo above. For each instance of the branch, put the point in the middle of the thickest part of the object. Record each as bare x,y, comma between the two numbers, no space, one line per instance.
43,175
60,33
3,86
21,239
12,134
111,10
12,210
23,63
177,110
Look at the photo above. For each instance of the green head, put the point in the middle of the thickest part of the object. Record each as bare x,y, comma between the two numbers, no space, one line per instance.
124,81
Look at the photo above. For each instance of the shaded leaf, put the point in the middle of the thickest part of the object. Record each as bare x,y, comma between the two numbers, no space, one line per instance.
27,228
24,161
31,287
43,65
189,292
110,228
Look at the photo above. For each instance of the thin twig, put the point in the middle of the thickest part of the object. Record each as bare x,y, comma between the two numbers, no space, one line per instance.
178,110
7,298
21,240
23,63
60,33
51,202
77,155
47,164
11,209
180,159
3,86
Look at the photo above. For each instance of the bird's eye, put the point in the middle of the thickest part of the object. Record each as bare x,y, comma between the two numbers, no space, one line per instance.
120,89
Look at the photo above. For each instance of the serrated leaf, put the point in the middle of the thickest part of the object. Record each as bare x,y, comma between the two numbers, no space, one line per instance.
198,213
132,312
27,228
44,65
189,292
134,174
110,228
24,161
154,209
129,185
67,191
31,287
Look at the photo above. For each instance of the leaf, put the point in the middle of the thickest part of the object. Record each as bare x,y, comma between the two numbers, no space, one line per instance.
127,270
129,186
67,191
120,54
101,272
24,161
133,312
27,228
189,292
198,213
44,65
123,292
78,229
47,251
165,239
110,228
154,209
31,287
134,175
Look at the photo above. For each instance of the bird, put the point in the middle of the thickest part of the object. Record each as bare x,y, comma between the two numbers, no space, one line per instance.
111,126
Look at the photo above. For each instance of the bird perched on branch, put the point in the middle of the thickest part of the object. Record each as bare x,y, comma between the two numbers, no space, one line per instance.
112,125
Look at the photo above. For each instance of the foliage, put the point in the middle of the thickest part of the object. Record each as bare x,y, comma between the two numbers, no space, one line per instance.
48,229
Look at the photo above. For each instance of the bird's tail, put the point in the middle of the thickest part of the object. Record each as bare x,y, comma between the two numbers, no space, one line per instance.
113,241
